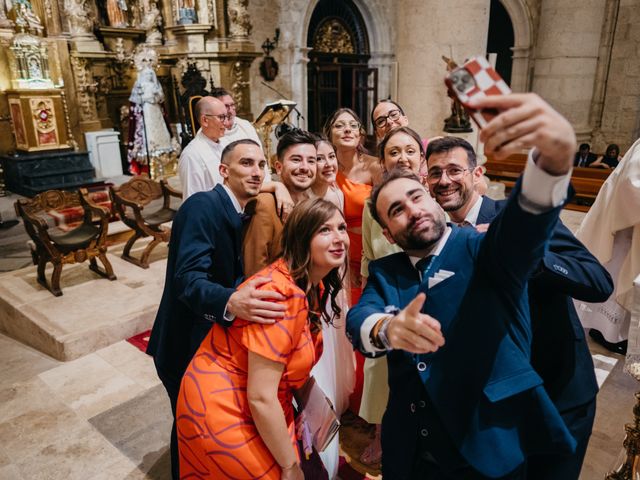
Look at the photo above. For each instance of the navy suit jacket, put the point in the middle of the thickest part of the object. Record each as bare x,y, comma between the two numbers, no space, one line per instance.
203,268
591,157
477,397
559,351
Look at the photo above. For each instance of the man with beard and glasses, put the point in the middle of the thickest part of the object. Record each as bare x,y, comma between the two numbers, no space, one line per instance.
472,407
559,350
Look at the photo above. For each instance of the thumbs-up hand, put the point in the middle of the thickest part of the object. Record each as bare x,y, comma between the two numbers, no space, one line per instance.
413,331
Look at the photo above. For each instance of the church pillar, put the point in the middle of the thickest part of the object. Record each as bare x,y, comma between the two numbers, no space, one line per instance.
427,30
567,56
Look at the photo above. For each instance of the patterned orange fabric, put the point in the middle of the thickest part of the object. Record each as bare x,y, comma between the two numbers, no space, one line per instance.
217,437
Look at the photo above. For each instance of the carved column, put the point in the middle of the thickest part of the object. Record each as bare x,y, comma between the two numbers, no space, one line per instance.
86,89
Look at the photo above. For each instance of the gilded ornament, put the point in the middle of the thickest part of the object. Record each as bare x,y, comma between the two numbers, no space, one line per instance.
333,37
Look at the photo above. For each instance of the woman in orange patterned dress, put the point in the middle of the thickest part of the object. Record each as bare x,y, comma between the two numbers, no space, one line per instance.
357,173
235,418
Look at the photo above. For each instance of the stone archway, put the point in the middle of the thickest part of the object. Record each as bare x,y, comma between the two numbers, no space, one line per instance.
376,16
523,36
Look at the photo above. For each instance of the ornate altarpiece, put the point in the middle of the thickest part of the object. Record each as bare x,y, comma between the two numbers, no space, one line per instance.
86,49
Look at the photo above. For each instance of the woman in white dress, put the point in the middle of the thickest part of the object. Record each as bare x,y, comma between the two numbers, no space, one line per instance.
611,231
335,371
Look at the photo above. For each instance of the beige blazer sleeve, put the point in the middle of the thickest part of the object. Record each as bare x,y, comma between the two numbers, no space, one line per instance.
261,245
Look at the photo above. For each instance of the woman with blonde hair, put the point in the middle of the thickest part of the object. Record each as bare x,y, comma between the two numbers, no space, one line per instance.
235,415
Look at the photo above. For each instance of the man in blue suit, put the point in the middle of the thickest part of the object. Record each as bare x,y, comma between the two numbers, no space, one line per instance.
203,269
472,407
559,351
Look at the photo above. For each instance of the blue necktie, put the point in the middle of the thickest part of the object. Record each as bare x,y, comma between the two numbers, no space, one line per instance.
423,265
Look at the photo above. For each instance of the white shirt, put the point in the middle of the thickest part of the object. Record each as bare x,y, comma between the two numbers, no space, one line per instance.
240,130
472,215
540,192
199,165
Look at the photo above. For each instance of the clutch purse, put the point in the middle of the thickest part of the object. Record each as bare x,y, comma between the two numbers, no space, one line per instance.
320,417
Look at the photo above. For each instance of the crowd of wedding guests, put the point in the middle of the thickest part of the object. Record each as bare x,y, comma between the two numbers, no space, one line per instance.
470,358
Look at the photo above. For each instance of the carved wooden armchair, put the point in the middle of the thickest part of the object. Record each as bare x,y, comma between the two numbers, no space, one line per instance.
65,244
130,200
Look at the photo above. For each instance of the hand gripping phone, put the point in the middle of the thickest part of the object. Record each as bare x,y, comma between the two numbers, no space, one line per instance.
476,79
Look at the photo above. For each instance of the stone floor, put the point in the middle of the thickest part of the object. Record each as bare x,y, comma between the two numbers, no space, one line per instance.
106,416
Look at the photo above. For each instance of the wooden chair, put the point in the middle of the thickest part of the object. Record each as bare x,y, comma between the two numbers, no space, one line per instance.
130,200
65,244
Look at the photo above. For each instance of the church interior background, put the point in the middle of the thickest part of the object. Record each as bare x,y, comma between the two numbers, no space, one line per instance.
68,70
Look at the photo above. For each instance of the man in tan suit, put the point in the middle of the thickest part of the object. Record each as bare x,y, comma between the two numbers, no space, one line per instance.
296,167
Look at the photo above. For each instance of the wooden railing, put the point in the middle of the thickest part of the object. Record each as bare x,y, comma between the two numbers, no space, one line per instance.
585,181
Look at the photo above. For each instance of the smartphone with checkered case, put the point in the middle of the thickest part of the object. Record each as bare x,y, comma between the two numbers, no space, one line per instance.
476,79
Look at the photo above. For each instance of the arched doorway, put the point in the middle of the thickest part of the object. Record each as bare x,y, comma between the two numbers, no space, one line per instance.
501,39
337,73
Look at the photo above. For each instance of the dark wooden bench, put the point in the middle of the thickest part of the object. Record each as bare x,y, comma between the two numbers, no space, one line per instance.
586,181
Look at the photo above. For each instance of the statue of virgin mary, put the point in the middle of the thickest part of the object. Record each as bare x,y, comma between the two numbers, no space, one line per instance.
150,139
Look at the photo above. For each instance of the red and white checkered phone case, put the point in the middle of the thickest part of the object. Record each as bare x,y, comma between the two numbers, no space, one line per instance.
476,79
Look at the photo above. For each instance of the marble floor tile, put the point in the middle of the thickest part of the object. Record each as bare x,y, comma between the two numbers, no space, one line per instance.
19,362
71,457
123,468
90,385
24,397
36,429
139,428
132,362
10,472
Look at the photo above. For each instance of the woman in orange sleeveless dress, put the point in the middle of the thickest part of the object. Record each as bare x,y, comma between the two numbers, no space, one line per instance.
235,417
357,172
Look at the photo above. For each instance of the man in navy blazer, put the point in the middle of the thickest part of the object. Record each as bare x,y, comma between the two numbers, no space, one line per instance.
559,351
203,269
472,407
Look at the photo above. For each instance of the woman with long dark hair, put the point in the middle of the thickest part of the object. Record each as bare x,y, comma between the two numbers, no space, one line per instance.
235,416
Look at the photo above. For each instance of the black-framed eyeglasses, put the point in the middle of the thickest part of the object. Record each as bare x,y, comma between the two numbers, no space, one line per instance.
382,120
222,117
454,173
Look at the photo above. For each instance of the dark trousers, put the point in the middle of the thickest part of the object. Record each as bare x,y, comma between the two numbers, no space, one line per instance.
579,421
426,470
172,385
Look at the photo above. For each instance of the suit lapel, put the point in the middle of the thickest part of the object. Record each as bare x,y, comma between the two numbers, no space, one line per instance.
229,212
487,211
407,281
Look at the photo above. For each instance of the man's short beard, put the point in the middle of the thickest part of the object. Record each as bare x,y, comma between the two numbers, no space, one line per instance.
411,241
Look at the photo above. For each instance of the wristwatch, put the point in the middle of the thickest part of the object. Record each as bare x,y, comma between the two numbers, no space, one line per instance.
382,334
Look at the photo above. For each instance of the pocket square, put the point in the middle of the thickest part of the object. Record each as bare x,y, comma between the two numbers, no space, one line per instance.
438,277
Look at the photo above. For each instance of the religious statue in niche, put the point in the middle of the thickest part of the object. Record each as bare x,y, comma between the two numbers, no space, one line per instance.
80,20
151,149
187,12
26,19
458,121
117,13
151,23
239,21
4,20
30,62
